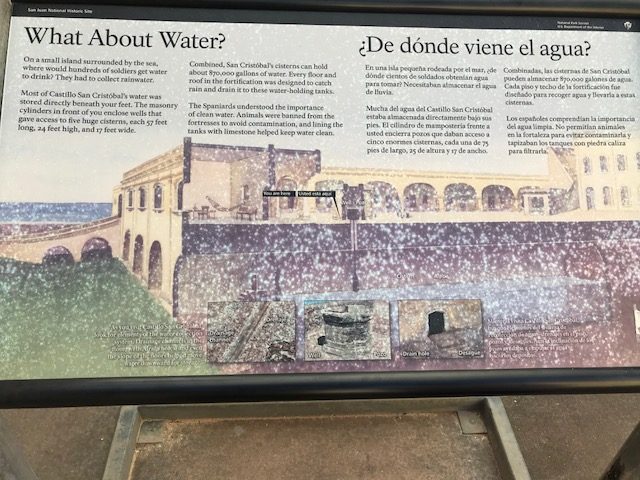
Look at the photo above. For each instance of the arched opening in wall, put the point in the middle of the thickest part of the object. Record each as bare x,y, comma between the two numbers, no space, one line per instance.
522,193
138,251
157,197
130,199
591,198
534,201
435,323
119,205
95,248
179,191
287,203
324,205
155,266
606,196
498,198
625,199
460,197
383,197
126,246
142,198
58,255
420,197
604,164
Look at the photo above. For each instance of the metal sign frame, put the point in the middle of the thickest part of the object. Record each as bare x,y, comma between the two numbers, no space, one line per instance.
282,387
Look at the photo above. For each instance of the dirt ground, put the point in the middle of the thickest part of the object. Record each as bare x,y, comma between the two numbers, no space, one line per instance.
562,437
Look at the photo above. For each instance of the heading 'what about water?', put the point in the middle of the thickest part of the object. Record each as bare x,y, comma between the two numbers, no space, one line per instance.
106,38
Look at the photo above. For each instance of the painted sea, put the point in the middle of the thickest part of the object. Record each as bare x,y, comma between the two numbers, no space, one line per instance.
58,213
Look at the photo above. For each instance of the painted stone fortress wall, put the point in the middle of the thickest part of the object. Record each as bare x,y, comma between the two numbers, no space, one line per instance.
245,247
147,202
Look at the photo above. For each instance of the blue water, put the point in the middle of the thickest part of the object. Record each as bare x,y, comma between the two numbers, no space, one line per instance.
14,212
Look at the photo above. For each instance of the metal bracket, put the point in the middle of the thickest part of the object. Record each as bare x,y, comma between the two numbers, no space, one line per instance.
477,415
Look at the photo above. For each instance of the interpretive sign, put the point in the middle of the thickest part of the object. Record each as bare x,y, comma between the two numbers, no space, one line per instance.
191,192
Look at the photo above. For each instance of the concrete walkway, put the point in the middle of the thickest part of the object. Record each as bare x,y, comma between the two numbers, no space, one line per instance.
561,437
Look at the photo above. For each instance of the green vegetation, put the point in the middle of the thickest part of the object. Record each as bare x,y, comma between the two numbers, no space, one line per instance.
62,321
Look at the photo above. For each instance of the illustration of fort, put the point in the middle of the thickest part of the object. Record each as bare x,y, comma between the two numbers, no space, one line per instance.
186,199
194,225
